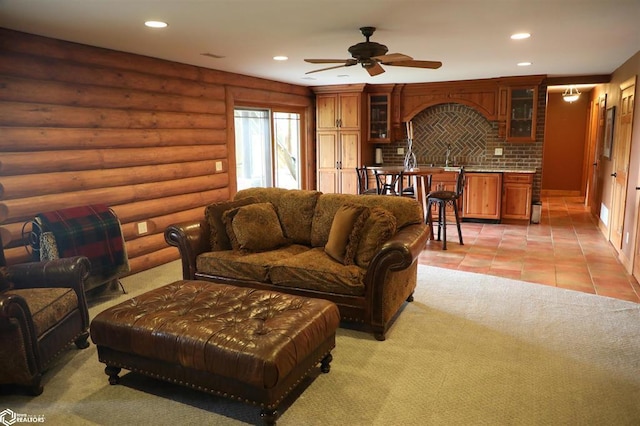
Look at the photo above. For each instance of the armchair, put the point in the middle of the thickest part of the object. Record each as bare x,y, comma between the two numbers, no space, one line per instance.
42,310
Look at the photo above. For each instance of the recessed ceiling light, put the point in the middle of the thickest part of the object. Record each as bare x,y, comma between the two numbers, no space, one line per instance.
524,64
280,58
156,24
520,36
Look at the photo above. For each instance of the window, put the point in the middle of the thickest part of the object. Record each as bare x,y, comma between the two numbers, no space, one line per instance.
267,148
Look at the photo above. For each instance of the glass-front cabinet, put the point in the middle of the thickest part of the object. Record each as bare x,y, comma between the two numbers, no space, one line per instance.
521,115
379,114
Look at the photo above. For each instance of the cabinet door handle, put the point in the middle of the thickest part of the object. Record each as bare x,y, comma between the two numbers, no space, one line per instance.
614,174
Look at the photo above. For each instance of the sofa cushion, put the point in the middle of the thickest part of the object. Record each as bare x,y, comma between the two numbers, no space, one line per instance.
345,233
316,270
254,228
213,214
406,210
378,228
244,266
295,209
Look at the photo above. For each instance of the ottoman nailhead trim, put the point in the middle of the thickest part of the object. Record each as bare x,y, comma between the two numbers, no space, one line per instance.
213,391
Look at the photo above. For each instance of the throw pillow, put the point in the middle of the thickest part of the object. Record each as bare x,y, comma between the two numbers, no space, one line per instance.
219,239
379,227
254,228
345,232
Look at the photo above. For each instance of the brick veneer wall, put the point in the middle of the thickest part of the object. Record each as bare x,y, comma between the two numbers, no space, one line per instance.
473,140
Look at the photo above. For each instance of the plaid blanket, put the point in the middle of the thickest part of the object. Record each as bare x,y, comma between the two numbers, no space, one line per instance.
92,231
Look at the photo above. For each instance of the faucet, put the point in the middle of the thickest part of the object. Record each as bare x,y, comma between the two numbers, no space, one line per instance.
446,161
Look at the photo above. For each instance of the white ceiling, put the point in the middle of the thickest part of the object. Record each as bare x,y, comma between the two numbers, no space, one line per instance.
470,37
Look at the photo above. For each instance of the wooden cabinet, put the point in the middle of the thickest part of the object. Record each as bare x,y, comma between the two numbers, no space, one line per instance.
336,111
338,141
516,195
482,196
379,114
521,114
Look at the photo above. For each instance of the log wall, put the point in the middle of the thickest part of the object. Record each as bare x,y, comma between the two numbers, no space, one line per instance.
84,125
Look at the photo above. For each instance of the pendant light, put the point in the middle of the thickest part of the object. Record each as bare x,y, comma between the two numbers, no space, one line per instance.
571,94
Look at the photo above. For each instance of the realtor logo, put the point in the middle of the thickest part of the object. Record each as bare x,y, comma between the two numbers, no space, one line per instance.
9,417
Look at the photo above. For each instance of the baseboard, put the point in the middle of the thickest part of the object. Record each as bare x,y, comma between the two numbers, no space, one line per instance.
560,193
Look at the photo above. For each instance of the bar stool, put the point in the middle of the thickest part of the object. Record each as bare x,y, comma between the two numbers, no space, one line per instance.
363,181
389,183
443,199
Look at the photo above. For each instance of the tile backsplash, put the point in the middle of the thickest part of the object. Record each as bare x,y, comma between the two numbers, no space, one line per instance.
472,139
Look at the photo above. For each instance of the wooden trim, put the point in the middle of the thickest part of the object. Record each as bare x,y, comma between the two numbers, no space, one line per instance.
560,193
578,79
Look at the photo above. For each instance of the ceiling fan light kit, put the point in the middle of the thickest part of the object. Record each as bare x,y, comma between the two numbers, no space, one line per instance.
370,55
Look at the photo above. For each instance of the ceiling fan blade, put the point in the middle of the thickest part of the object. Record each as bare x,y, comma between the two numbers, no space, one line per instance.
375,69
392,57
328,61
416,64
329,68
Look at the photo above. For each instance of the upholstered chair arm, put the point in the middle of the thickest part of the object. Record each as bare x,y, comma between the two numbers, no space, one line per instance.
70,272
14,311
63,272
191,238
17,326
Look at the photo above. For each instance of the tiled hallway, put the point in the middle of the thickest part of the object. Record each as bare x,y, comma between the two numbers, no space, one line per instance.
566,249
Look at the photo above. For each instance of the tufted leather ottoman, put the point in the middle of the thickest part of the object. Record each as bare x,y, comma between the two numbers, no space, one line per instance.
249,345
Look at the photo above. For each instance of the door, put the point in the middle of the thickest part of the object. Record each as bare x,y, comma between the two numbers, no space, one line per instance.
328,158
349,113
622,151
636,257
326,112
349,145
597,180
482,196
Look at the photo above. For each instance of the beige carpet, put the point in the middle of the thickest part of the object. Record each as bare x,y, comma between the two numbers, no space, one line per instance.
470,350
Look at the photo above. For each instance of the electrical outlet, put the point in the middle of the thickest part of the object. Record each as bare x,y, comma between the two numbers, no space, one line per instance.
142,228
497,151
218,166
400,151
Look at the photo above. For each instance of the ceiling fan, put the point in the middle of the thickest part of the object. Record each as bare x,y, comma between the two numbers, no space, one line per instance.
370,55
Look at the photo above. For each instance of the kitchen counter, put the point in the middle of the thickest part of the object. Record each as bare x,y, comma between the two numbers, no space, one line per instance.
468,169
487,169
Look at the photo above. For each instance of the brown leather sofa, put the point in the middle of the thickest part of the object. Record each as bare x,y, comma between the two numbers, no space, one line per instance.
42,310
369,280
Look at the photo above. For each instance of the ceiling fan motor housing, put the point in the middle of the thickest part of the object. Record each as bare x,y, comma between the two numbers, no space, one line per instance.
367,49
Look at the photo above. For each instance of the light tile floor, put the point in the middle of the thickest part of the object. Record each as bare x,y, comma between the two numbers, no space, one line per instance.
566,249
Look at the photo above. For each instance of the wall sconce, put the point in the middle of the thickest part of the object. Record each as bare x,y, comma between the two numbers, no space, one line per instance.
571,94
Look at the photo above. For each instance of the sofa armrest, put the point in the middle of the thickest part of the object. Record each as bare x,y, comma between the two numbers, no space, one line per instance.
192,239
390,278
401,250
